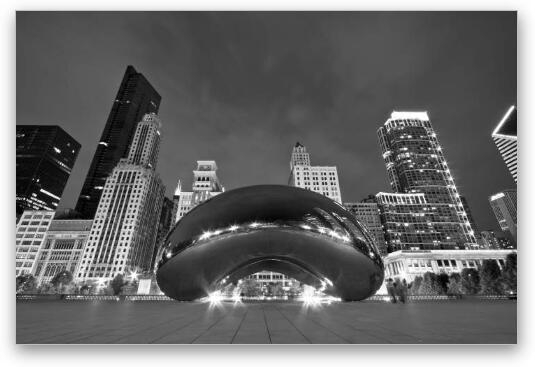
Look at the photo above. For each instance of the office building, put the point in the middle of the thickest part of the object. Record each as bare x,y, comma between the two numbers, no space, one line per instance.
123,234
410,264
320,179
368,213
497,240
135,98
205,186
62,248
45,158
505,136
425,211
165,224
30,233
504,207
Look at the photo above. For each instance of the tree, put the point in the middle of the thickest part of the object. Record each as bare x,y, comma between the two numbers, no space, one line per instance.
61,280
442,282
117,284
509,272
415,285
275,289
455,284
26,283
490,276
250,288
470,281
430,285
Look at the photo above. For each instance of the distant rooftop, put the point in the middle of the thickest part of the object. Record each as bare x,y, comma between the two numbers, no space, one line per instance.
507,126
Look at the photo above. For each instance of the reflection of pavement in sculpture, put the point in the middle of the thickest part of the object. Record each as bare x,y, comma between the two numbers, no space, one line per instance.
297,232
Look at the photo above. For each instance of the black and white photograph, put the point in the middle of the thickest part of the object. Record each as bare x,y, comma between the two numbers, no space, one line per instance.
265,177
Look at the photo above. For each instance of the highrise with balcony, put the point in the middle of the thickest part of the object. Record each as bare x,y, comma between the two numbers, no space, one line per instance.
320,179
135,98
425,211
123,234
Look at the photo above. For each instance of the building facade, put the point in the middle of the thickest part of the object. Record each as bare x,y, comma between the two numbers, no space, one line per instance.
368,213
425,210
505,138
165,224
320,179
30,234
410,264
123,234
45,158
504,207
62,248
497,240
205,186
135,98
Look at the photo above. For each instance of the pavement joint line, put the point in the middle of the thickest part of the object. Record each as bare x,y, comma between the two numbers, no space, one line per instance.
363,330
239,326
295,327
267,327
326,328
152,326
175,330
211,326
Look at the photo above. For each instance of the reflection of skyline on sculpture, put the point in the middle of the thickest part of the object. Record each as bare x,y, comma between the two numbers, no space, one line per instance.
293,231
279,96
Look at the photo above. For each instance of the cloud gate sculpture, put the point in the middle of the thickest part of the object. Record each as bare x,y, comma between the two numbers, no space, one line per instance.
285,229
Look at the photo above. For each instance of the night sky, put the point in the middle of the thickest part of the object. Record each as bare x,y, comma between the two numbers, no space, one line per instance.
242,88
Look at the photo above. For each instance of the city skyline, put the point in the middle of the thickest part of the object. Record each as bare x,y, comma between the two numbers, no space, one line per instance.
238,133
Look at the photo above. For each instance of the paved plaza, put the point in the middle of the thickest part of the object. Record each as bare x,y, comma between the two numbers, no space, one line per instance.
463,321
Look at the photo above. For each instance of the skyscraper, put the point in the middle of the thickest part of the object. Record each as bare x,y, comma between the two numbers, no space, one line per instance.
135,98
505,136
45,158
205,185
426,206
320,179
504,207
368,214
123,234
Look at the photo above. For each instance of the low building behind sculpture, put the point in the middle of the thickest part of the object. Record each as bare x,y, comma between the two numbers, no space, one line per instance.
205,186
320,179
406,264
504,207
30,234
368,214
62,248
165,224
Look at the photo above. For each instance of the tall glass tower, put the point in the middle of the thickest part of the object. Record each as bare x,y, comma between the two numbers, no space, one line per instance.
45,158
135,98
435,217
